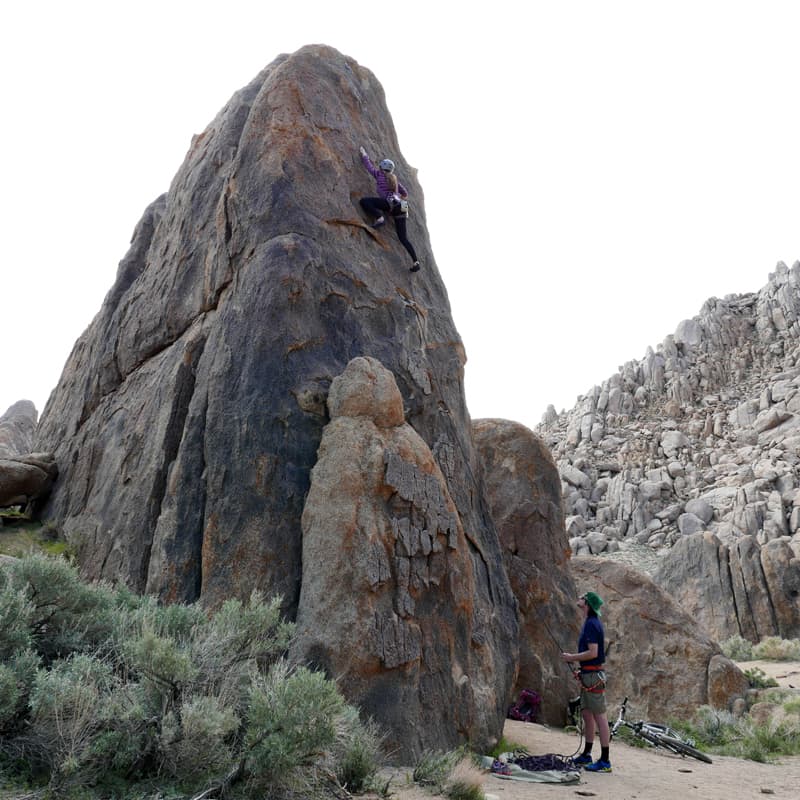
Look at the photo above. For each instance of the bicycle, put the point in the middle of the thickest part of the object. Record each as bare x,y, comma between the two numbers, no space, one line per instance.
658,735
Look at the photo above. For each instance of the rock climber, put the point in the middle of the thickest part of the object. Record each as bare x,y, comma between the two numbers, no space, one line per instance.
591,656
393,200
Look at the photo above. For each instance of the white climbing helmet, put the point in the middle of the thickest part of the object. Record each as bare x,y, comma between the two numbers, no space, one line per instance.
387,165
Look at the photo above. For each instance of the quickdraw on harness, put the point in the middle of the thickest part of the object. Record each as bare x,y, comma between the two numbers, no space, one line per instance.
600,686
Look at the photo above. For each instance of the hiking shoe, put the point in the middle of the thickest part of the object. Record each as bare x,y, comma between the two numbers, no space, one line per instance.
583,759
378,222
415,266
598,766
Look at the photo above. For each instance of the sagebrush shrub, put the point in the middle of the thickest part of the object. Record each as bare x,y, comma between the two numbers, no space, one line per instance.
773,648
291,724
98,685
792,706
65,702
64,614
713,726
465,782
16,612
742,738
433,768
737,648
9,694
357,751
198,743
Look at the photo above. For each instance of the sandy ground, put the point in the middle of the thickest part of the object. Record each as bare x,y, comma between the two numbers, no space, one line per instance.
786,673
646,774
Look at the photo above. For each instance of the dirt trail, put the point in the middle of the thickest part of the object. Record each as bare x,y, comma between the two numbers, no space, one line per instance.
646,774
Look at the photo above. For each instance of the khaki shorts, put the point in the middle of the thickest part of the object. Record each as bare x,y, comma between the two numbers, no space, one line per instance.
594,701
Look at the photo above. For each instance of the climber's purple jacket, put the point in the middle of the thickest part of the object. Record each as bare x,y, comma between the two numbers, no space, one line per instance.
380,179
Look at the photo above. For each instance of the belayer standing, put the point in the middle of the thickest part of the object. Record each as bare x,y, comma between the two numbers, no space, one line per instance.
591,656
393,200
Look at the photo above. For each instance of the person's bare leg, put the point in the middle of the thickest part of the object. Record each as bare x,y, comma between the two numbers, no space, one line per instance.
588,725
601,721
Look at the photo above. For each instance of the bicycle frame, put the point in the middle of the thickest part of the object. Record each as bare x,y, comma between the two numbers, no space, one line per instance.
658,735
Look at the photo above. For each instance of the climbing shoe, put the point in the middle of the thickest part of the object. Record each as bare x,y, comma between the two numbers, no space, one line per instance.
378,222
583,759
415,266
598,766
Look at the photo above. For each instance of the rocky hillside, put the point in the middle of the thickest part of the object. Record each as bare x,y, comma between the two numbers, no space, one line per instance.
701,435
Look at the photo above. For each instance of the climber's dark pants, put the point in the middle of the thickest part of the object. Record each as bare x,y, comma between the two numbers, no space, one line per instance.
377,206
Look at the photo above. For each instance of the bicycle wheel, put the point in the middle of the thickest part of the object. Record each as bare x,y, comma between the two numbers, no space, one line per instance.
651,738
677,746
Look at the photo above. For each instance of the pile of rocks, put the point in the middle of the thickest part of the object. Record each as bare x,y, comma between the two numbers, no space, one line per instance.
702,434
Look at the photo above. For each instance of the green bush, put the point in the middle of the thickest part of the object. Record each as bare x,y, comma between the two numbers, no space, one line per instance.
712,726
759,679
102,688
16,679
764,742
465,782
358,751
452,773
737,648
792,705
199,743
10,694
291,727
773,648
433,768
720,732
775,694
63,614
65,704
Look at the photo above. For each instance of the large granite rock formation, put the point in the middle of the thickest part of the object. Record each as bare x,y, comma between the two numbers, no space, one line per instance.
743,589
391,603
659,656
188,417
17,427
525,498
700,435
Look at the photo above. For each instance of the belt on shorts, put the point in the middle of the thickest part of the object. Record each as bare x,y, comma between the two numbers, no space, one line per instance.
592,668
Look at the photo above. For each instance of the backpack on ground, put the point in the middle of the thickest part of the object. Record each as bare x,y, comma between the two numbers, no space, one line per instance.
526,709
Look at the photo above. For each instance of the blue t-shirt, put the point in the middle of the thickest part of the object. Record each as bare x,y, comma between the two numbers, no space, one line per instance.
591,633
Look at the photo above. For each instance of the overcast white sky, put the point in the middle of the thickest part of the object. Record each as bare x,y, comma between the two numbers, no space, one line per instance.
624,162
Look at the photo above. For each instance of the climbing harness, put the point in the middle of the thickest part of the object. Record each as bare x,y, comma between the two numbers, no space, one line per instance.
597,688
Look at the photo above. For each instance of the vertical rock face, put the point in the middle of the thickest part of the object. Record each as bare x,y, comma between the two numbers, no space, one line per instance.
525,498
189,413
392,601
